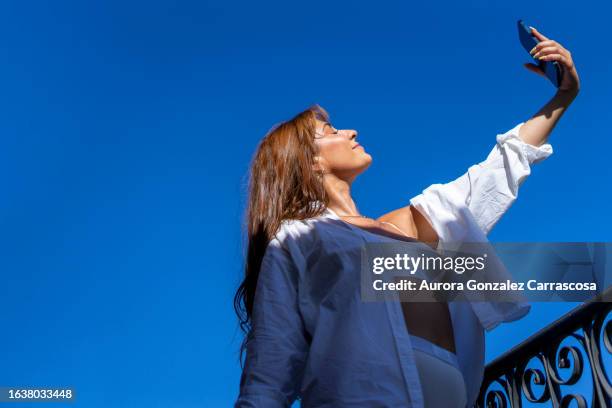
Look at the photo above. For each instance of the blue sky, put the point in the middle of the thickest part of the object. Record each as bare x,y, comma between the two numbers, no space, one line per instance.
127,130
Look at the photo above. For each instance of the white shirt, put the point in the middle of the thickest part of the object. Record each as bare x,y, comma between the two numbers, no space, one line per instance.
466,209
315,338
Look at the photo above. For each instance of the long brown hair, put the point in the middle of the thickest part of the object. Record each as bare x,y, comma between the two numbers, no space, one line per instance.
282,185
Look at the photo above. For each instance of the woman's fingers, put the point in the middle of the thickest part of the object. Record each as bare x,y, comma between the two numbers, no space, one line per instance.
551,50
538,35
557,57
543,44
534,68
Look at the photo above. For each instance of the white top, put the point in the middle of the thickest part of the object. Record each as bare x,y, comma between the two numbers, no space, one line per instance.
333,348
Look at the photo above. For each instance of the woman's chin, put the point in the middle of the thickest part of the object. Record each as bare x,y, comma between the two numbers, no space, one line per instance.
366,163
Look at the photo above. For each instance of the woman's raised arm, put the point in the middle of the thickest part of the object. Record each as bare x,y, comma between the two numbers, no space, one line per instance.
488,188
537,129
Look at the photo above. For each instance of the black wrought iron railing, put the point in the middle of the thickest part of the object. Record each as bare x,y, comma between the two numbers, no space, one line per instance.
574,346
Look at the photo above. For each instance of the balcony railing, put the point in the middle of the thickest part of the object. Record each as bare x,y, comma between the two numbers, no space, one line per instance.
510,378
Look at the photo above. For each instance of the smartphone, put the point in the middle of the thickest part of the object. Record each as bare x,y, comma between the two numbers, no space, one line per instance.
552,69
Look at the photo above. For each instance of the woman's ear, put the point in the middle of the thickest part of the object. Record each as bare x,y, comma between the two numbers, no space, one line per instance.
319,165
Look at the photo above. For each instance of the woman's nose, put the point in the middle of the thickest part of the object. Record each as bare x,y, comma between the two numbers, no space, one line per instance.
351,133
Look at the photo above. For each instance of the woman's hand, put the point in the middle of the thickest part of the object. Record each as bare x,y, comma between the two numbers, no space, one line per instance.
550,50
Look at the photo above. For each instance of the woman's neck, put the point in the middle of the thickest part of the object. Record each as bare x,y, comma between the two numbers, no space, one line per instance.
339,193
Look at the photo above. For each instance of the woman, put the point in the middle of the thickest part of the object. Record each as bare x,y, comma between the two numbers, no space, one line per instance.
309,334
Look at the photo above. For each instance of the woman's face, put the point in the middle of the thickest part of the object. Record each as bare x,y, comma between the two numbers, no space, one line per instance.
339,151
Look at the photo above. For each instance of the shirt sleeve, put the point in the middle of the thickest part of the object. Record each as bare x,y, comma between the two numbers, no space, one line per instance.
488,188
277,348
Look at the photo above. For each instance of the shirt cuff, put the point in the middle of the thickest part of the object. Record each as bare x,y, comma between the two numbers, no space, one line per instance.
533,154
